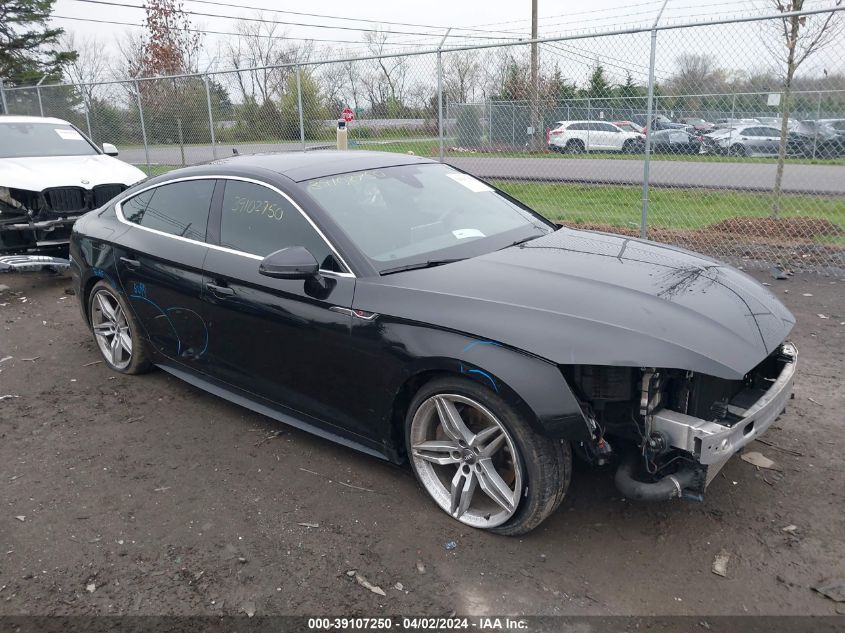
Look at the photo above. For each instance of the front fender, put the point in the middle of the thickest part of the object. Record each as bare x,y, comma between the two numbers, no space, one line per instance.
534,386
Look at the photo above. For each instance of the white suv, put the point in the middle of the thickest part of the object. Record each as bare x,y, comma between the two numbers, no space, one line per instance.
576,137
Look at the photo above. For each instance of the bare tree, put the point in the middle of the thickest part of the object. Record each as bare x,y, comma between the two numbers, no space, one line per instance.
798,37
462,73
265,58
387,82
91,65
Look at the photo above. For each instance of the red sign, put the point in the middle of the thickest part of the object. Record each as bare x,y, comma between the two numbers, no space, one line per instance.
347,114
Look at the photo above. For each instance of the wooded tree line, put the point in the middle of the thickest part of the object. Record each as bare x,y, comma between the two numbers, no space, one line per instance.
260,101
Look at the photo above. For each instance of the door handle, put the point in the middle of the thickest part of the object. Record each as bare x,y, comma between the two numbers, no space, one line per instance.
223,291
132,263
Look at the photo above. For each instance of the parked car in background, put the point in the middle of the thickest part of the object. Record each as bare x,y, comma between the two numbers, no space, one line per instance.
698,124
576,137
728,123
50,174
837,125
658,122
629,126
675,142
817,140
750,140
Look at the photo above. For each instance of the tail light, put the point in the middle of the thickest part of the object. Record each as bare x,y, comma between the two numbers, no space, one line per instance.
556,132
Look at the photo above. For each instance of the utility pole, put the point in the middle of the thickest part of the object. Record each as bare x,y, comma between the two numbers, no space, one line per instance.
536,134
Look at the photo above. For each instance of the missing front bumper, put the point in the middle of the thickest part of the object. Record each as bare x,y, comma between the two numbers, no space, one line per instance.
712,443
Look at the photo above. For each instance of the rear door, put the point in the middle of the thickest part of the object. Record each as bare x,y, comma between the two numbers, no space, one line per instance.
612,136
160,263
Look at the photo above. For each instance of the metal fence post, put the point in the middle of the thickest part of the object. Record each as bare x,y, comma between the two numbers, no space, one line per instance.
3,98
816,126
440,94
143,127
440,105
299,104
733,116
88,121
649,124
40,105
589,118
210,118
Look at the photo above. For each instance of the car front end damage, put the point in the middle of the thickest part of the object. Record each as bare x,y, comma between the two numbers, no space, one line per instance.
41,221
675,429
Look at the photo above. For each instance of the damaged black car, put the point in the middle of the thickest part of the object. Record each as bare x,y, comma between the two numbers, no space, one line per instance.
406,309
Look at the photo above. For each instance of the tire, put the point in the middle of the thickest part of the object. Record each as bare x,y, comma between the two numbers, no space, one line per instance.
536,470
628,147
131,353
737,150
574,147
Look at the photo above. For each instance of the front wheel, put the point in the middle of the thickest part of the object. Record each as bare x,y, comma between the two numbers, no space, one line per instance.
479,460
737,150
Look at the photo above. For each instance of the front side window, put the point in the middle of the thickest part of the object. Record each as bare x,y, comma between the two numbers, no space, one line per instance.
21,140
179,208
409,214
259,221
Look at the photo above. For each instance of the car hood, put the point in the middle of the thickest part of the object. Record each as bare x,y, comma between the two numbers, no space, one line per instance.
579,297
43,172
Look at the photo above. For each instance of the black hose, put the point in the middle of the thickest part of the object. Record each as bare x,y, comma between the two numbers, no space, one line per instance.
669,487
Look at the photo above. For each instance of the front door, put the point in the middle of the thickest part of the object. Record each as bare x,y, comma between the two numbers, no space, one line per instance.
160,265
284,340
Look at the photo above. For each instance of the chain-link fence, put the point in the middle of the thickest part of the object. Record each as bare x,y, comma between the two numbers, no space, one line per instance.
673,132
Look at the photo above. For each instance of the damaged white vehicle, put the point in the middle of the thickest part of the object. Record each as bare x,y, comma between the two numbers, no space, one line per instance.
50,174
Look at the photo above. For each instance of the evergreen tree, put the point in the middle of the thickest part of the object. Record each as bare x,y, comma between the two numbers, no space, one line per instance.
28,46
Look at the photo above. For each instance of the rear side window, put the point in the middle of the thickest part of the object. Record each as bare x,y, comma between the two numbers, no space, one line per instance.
259,221
180,208
577,127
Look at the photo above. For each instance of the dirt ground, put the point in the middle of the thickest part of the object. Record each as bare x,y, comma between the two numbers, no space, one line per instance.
143,495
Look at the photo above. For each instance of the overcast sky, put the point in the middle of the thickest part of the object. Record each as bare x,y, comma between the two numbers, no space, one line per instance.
735,45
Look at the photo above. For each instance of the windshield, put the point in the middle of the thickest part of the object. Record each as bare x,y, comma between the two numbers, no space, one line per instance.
19,140
412,214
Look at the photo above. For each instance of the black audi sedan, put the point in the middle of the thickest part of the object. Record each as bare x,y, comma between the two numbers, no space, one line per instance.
408,310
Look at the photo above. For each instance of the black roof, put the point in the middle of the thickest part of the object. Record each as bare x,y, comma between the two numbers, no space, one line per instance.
299,165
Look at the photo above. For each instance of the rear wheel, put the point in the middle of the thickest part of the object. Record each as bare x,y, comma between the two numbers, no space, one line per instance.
480,462
115,331
574,147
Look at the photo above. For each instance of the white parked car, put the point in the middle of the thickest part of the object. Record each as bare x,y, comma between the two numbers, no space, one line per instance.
576,137
50,174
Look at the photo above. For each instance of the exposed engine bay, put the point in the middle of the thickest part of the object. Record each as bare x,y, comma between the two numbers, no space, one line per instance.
675,429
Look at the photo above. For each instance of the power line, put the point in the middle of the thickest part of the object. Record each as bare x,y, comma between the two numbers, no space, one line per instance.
338,17
286,23
212,32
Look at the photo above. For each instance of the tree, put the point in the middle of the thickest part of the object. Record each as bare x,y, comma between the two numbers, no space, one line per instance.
598,86
265,58
27,42
631,93
313,112
799,37
460,75
385,81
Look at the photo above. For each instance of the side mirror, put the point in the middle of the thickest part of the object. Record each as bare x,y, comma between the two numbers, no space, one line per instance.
109,149
293,262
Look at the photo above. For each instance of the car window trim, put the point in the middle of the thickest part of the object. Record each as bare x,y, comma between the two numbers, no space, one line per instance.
119,213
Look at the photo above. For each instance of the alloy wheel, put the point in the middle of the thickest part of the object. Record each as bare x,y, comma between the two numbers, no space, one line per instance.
111,329
466,460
